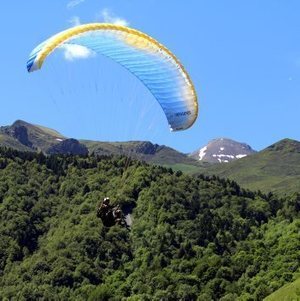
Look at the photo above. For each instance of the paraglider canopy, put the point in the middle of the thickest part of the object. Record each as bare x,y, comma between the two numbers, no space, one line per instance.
151,62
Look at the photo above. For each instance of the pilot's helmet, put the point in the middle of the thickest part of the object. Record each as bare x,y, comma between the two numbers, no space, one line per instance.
106,200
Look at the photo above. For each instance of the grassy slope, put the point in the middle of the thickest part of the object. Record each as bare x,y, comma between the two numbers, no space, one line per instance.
277,169
289,292
50,131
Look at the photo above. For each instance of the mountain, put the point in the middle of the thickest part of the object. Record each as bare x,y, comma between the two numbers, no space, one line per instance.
24,136
32,137
222,150
276,168
192,238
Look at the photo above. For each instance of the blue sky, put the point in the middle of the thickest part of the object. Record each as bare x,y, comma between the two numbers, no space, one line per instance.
243,57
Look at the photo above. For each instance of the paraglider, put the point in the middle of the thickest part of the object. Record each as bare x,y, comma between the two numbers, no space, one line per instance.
151,62
109,214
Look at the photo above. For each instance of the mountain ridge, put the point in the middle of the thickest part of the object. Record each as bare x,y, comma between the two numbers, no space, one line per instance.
275,168
22,135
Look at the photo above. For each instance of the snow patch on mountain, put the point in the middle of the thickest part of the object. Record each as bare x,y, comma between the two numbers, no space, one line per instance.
202,152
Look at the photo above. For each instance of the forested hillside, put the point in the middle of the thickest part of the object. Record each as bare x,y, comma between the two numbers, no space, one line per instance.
192,238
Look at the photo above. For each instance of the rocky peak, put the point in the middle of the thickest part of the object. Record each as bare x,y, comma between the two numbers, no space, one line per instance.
20,122
19,131
146,148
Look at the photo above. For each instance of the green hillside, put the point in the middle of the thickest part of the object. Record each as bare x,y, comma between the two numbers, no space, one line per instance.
289,292
50,132
193,238
276,169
